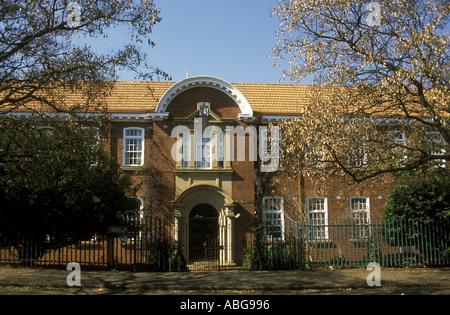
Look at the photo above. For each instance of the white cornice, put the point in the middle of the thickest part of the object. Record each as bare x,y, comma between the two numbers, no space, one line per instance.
205,81
128,117
276,118
55,115
139,117
158,116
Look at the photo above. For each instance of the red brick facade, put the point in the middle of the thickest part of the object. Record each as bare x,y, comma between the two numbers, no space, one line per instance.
231,191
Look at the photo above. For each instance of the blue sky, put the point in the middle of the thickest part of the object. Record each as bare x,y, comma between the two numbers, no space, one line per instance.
229,39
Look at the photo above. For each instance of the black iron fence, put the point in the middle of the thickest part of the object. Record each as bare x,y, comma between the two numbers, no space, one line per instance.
349,243
150,244
140,245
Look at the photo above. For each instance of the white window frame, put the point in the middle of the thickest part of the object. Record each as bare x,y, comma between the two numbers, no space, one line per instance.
203,147
210,145
314,158
360,216
436,146
186,145
264,145
318,217
398,140
274,215
217,145
133,137
358,157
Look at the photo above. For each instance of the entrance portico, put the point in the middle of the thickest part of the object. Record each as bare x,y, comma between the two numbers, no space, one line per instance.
204,219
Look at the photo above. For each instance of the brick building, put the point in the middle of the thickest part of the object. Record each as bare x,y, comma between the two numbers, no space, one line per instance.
212,165
208,189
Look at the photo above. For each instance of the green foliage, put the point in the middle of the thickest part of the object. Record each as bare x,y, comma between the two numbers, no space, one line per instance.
271,256
422,197
423,205
58,185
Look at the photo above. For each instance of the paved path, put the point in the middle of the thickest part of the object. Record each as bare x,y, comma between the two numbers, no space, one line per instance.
35,280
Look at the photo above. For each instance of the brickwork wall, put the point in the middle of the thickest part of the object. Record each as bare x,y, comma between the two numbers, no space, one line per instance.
158,145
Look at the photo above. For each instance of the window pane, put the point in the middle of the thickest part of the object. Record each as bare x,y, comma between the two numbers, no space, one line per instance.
133,146
361,217
274,217
317,218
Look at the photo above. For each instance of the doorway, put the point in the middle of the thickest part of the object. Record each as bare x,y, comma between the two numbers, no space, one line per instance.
203,233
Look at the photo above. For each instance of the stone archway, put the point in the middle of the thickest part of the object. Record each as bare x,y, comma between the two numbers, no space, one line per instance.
203,233
194,201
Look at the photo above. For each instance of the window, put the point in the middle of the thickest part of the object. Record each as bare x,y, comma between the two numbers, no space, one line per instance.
315,156
397,144
436,147
218,145
203,109
360,213
208,146
358,156
273,212
318,217
203,151
265,145
133,151
186,149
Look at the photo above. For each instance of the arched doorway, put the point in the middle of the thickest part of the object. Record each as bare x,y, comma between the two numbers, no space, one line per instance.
205,214
203,233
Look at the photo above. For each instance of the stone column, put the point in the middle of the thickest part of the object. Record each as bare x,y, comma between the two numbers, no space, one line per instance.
228,152
192,164
177,229
229,215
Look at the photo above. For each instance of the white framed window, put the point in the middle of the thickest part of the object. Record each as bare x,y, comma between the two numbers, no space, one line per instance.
186,149
318,217
208,145
265,145
133,146
397,143
218,147
315,156
436,146
358,156
273,211
360,214
203,151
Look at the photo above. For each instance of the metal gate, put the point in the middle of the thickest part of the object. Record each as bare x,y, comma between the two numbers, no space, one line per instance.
203,238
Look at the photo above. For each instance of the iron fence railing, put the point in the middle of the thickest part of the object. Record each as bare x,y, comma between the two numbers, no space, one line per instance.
149,244
348,243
